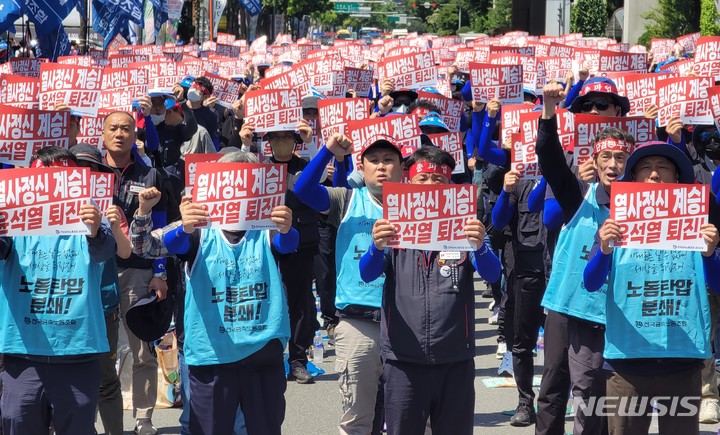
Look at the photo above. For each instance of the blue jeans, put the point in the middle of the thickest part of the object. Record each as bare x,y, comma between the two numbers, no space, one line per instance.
239,428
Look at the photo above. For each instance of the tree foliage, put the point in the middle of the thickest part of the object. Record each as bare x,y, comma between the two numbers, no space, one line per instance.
670,19
709,18
497,18
589,17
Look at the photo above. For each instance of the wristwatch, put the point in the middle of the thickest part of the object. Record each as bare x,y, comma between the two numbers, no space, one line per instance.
161,275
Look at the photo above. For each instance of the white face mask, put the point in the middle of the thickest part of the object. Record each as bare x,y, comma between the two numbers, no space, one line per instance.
157,119
194,96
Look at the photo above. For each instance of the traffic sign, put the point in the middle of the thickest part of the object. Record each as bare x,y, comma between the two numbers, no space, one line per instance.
347,7
392,19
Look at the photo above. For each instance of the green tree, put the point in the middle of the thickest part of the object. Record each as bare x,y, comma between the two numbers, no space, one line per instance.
671,18
589,17
497,19
709,18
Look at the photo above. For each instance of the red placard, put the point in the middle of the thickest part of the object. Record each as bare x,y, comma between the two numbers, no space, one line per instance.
707,57
410,71
453,144
191,161
451,109
121,86
714,97
686,98
240,196
660,216
162,76
24,131
226,91
430,216
102,186
688,42
91,130
273,110
293,79
404,128
19,91
26,67
77,86
124,60
43,201
465,56
501,82
661,48
529,128
552,68
641,90
334,114
510,120
524,159
225,38
588,126
360,80
321,73
612,62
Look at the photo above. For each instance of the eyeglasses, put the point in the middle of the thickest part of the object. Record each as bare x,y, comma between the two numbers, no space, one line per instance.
600,105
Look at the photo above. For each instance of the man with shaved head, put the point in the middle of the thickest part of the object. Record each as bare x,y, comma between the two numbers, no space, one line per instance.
137,276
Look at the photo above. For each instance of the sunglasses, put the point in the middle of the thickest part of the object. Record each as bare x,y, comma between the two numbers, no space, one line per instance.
706,136
600,105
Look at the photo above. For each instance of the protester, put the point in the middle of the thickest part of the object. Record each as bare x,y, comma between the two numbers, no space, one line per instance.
446,347
137,276
662,362
353,212
51,359
229,367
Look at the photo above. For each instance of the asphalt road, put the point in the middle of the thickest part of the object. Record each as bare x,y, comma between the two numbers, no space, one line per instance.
315,409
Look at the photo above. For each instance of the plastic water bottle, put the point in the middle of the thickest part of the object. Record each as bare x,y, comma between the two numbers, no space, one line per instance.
318,310
318,349
541,339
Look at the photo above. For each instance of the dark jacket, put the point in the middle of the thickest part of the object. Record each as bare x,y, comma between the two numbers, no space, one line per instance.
425,321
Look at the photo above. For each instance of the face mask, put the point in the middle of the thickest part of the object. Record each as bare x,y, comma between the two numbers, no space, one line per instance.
194,96
157,119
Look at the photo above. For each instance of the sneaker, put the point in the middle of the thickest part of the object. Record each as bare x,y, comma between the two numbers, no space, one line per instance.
493,320
709,411
501,350
524,416
144,426
491,307
300,375
487,293
506,365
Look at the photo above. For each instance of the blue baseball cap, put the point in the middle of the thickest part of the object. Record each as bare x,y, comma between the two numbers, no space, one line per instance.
170,103
3,45
433,119
187,81
310,101
430,90
600,85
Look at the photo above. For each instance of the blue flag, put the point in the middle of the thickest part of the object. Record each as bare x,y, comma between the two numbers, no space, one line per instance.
53,44
132,9
252,6
48,14
10,11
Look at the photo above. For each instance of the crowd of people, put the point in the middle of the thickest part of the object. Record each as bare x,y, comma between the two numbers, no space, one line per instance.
402,320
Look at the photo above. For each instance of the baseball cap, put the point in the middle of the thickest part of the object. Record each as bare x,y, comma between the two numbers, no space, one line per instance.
433,119
381,140
311,101
686,173
600,85
89,153
149,318
187,81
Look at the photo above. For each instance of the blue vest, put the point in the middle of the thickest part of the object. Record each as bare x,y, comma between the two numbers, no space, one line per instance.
109,286
566,291
657,305
235,302
353,239
50,298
